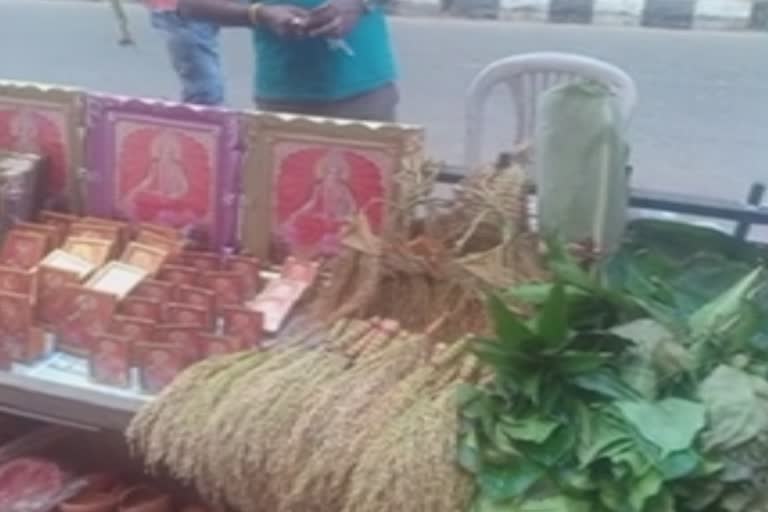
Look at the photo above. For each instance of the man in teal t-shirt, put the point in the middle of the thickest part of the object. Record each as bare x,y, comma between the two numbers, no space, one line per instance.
317,57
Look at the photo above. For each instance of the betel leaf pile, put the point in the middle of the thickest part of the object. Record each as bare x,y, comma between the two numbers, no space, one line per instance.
639,385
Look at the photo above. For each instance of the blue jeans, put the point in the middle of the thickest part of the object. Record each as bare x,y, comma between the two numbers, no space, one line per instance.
194,50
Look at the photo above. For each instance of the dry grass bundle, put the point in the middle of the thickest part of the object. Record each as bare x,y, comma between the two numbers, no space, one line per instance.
410,465
440,256
284,429
140,431
222,438
331,423
274,406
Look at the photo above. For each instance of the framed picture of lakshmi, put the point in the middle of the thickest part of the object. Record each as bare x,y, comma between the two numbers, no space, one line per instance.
45,121
306,177
164,163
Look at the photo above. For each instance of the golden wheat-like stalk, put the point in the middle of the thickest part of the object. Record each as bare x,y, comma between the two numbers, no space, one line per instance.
410,465
140,431
345,399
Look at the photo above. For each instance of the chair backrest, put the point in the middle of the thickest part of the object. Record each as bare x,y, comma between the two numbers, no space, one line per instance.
526,76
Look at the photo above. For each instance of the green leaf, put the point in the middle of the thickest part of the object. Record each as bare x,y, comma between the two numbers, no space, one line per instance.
577,363
532,429
736,413
600,438
552,320
560,503
606,383
537,293
643,489
553,450
671,424
501,483
726,308
679,464
469,452
508,328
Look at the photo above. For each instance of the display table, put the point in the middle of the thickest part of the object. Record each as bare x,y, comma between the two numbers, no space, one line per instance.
57,390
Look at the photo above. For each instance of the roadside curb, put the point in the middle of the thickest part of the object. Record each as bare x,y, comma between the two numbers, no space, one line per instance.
674,14
678,14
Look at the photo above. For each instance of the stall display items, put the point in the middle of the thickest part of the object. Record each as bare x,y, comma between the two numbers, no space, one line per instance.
58,469
20,175
305,177
164,163
45,121
281,295
23,249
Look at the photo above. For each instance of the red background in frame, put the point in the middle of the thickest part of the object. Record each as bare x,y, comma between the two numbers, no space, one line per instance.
311,205
37,129
139,195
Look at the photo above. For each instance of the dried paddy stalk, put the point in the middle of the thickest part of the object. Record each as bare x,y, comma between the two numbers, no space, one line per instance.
219,443
364,290
335,410
140,430
345,271
410,466
274,405
185,432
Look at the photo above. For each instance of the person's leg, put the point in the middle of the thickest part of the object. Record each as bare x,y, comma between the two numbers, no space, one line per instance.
378,105
194,51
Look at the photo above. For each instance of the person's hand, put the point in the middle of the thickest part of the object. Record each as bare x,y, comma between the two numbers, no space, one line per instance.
334,19
285,20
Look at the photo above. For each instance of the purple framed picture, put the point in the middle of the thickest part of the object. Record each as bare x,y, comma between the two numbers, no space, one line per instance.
164,163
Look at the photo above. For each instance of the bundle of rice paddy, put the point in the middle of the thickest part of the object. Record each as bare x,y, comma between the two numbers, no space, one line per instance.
364,418
438,260
285,429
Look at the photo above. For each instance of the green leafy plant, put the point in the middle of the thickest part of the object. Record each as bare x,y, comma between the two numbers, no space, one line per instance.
639,385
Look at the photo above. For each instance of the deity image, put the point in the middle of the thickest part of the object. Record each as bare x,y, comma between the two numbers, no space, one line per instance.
159,370
110,364
23,253
11,318
226,289
320,189
132,332
25,132
40,132
187,317
10,283
164,177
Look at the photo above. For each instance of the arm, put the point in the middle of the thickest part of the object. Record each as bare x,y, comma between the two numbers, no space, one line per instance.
284,20
228,13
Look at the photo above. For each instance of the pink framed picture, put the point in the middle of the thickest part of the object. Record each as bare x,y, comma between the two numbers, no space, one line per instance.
305,177
45,120
110,360
164,163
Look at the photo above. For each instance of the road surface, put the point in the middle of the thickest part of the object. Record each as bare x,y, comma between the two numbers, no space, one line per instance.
701,125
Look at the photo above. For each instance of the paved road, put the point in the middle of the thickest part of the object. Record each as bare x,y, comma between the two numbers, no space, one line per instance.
701,126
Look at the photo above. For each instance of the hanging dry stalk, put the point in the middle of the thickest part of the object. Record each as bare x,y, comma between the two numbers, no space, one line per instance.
274,402
325,435
183,432
140,430
410,465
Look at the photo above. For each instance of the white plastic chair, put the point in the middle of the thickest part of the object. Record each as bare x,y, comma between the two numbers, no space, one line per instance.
527,76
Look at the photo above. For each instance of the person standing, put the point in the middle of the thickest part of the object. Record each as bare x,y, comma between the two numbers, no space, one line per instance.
331,59
193,48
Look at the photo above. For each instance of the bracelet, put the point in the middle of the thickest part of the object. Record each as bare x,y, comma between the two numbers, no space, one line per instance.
253,13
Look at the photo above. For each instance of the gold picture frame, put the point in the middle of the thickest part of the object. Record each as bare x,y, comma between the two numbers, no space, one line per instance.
270,138
47,111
